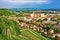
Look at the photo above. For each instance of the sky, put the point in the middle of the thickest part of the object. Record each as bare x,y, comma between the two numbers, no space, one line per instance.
40,4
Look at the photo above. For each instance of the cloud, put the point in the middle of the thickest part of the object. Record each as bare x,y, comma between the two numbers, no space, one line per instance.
22,3
26,1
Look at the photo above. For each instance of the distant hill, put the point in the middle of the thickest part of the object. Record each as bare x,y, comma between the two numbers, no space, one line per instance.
33,9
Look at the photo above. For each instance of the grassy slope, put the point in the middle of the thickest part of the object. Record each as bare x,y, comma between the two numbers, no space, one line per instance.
32,35
40,36
29,35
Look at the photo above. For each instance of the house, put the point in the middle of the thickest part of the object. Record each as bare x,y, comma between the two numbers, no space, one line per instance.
31,26
46,22
32,15
53,35
58,14
58,38
37,14
57,26
58,34
42,15
37,29
49,19
27,17
50,31
50,15
15,19
42,30
45,33
22,24
26,25
53,18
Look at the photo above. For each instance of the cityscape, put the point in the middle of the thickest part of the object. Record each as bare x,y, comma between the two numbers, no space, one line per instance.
29,19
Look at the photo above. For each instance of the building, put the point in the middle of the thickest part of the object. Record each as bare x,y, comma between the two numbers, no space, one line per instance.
38,14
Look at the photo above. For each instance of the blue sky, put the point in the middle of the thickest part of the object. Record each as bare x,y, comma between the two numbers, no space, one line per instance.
41,4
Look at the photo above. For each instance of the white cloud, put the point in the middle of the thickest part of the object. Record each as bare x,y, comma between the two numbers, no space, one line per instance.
26,1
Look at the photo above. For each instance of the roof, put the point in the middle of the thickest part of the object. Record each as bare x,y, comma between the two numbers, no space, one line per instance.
58,26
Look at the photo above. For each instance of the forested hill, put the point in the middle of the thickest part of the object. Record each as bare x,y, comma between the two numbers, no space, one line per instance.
5,12
32,9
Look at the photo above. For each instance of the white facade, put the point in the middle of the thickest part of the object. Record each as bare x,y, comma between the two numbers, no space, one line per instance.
32,15
42,15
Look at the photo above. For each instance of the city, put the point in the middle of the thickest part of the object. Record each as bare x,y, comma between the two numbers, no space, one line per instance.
29,19
44,23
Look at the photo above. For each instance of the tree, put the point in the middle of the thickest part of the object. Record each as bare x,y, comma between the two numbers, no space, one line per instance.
39,20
